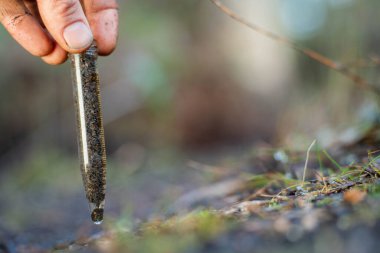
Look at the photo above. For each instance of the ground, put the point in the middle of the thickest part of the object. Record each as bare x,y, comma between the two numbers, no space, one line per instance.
254,200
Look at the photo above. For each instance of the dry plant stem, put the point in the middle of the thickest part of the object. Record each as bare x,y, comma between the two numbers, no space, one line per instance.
337,66
90,131
260,192
307,161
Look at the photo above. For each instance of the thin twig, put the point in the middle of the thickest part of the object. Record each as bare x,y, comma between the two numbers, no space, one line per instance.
324,60
307,161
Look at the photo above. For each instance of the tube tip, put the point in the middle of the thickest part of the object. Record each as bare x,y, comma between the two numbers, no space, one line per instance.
97,215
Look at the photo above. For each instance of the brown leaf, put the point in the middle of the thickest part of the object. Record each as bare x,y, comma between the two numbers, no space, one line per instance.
354,196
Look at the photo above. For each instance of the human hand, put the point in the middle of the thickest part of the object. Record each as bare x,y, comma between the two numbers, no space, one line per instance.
51,28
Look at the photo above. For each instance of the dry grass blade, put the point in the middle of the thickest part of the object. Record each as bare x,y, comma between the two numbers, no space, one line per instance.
307,161
324,60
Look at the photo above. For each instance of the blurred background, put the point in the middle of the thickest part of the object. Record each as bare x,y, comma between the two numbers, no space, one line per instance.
186,85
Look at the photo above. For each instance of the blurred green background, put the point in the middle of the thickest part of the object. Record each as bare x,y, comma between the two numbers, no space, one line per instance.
185,83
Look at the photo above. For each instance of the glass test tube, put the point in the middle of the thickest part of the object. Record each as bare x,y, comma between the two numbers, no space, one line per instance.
90,133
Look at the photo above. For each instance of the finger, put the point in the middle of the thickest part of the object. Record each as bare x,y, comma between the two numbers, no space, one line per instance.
103,18
24,28
58,56
66,22
33,8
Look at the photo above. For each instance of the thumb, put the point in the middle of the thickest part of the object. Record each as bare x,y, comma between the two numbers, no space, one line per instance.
67,24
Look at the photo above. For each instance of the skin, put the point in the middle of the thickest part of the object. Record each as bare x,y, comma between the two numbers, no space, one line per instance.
39,25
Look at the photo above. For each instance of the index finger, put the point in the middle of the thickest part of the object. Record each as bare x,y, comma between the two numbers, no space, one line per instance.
24,27
102,16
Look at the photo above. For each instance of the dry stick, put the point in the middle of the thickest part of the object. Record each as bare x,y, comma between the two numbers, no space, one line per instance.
339,67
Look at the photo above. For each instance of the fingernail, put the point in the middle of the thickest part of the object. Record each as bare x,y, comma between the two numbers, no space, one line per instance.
78,35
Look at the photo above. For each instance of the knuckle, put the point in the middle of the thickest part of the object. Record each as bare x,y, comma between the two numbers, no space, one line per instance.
14,20
65,8
12,11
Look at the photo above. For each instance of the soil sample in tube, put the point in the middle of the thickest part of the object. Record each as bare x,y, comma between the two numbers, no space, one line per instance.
90,132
